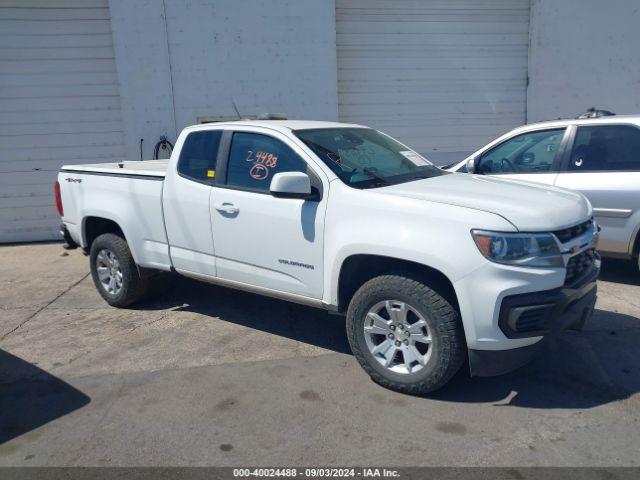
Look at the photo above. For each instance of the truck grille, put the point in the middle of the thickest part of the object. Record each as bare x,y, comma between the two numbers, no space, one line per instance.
567,234
579,265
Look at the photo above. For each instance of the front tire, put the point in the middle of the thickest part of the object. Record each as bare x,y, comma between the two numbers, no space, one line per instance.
406,336
114,271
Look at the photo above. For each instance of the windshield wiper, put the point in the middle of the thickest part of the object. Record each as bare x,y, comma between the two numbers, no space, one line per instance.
370,174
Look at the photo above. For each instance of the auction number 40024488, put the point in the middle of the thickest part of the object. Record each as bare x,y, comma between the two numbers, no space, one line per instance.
315,472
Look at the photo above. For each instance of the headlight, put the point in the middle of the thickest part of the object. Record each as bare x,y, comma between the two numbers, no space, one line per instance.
521,249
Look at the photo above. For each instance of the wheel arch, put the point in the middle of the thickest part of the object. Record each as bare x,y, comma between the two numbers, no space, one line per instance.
360,268
635,246
94,226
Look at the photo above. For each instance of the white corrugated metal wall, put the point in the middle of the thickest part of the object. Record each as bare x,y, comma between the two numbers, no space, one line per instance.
59,102
444,76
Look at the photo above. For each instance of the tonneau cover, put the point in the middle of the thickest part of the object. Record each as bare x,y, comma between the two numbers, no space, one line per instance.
152,168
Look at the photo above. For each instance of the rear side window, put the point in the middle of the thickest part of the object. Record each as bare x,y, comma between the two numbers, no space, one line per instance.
254,159
198,155
606,148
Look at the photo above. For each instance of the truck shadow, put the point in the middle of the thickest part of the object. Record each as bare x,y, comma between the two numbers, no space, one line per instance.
577,370
31,397
277,317
620,271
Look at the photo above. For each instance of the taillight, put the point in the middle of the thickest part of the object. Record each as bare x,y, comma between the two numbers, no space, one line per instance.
59,200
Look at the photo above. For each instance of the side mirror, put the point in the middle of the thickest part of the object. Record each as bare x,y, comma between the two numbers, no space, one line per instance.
471,165
291,185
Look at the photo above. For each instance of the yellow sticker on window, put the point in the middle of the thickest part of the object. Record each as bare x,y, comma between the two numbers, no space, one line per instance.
211,173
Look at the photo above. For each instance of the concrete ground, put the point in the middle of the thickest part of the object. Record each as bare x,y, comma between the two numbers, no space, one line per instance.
211,376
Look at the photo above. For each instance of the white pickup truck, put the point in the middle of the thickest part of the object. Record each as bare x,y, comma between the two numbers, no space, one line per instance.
430,267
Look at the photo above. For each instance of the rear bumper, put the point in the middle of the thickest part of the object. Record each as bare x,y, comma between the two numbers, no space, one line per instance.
544,314
69,244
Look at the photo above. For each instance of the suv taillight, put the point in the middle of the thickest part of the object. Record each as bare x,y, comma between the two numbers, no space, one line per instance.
59,199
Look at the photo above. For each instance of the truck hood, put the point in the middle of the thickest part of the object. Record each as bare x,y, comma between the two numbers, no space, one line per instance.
528,206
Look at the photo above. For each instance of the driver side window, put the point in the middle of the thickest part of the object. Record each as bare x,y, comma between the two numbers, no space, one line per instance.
255,158
530,152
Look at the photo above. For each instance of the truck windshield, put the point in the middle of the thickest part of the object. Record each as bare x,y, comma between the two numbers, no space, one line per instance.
366,158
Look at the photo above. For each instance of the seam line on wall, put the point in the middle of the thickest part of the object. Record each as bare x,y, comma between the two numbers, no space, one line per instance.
173,97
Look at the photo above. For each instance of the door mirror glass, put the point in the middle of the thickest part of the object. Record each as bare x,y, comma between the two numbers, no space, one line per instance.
290,185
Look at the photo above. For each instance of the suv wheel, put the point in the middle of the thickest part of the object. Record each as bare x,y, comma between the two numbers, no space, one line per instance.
114,272
406,336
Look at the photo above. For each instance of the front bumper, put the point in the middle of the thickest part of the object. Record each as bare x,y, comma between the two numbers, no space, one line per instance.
540,314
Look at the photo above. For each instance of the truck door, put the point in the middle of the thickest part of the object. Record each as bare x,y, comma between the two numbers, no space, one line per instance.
185,202
261,240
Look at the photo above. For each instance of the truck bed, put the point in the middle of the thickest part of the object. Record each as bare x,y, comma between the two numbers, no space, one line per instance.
127,193
149,168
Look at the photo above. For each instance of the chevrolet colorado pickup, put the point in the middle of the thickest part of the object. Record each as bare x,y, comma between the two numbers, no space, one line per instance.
431,268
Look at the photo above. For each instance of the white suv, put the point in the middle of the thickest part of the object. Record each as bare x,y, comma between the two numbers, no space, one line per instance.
597,155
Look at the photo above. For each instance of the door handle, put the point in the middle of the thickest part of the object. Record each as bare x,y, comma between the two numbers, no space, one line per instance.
226,207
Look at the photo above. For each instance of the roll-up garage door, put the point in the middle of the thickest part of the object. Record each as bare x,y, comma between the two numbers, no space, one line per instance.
59,103
444,76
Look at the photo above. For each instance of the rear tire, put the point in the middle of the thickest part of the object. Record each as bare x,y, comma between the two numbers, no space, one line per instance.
406,336
114,271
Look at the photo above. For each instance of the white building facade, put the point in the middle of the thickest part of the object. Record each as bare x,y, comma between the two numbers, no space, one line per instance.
100,80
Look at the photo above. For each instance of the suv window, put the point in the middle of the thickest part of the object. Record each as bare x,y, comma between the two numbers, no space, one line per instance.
606,147
198,155
530,152
254,159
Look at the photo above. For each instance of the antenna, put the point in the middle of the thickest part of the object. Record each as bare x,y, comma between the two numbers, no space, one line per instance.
236,109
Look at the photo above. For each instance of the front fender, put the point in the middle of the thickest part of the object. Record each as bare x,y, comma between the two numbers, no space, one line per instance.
427,233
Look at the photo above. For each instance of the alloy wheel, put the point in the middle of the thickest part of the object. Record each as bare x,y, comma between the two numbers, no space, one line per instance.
398,336
109,271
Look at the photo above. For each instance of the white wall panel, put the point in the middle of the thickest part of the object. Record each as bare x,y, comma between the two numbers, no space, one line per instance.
584,53
144,73
59,103
180,60
279,58
443,76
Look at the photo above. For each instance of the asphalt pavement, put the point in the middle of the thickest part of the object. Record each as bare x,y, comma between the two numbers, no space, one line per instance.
210,376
